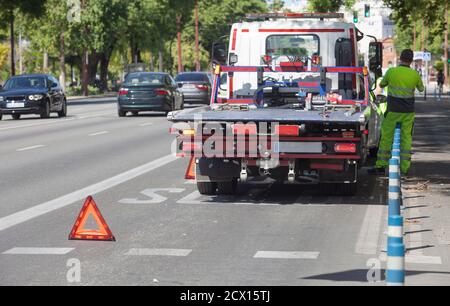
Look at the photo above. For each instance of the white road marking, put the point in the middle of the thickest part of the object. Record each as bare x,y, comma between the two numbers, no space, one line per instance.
30,148
369,234
98,133
38,251
152,195
286,255
44,208
159,252
96,115
417,259
146,124
48,122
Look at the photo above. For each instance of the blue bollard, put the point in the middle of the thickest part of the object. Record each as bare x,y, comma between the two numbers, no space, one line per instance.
395,229
395,272
394,187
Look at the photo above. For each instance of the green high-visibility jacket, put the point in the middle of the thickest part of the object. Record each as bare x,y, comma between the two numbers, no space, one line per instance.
402,82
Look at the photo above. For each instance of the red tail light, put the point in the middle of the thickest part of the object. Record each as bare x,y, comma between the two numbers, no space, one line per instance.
316,60
123,92
287,130
161,92
202,87
345,148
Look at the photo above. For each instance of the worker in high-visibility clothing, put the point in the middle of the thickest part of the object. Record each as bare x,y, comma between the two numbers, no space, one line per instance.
402,81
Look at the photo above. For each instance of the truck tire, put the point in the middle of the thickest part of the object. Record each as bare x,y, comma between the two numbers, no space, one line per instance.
207,188
227,188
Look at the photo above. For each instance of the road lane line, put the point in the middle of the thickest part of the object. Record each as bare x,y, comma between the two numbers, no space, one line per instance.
369,234
286,255
61,202
99,133
30,148
159,252
146,124
38,251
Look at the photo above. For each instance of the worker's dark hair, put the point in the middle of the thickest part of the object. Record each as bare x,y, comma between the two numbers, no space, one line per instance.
407,56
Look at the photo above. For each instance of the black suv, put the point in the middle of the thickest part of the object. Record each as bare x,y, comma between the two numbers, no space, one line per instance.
38,94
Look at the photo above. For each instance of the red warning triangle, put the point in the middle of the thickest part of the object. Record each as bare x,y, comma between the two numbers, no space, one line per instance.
103,233
190,171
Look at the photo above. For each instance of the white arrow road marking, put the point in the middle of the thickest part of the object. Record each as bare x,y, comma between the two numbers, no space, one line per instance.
152,193
44,208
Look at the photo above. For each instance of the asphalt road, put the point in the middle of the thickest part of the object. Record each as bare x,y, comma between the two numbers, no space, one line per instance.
167,234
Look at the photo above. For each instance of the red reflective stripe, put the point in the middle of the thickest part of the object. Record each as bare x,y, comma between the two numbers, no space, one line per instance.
300,30
230,86
319,166
235,101
345,69
287,130
308,84
238,69
245,30
345,148
233,45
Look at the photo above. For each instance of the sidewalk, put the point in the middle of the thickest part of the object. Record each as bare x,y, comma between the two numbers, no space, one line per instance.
427,197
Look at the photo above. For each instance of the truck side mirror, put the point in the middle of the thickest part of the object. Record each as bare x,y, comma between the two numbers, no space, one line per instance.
376,58
219,53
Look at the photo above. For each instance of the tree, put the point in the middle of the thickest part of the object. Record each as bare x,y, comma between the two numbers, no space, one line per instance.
325,6
32,8
276,6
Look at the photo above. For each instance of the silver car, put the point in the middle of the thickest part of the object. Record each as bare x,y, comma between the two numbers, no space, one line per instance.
195,86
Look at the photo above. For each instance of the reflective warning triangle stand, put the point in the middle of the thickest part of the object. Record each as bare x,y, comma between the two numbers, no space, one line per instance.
80,233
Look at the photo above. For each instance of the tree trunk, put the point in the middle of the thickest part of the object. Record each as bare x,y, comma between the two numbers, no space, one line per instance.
45,63
197,49
12,42
414,36
94,59
180,54
62,61
85,72
446,46
161,58
152,62
105,59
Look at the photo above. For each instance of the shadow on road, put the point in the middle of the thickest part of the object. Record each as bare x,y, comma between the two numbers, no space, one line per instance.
360,275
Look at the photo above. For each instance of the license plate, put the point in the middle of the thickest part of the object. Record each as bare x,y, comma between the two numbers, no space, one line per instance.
189,86
298,147
15,105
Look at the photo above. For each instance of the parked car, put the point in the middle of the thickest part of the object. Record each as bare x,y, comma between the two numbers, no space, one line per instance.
195,86
149,91
38,94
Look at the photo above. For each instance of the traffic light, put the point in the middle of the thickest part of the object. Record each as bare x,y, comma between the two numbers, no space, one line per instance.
367,10
355,17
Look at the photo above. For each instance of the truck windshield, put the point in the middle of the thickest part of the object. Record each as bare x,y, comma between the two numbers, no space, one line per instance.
286,48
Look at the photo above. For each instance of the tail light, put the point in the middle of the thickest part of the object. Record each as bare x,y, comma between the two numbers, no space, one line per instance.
287,130
123,92
202,87
316,60
345,148
161,92
267,59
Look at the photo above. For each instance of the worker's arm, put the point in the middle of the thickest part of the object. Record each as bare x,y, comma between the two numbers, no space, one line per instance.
385,81
420,86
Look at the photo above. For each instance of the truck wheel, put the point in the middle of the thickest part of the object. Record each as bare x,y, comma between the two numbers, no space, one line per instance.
207,188
227,188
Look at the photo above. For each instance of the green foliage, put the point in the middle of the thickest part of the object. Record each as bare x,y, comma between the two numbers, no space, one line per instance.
439,65
325,6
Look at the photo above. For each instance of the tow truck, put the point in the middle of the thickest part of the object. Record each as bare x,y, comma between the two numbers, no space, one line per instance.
289,104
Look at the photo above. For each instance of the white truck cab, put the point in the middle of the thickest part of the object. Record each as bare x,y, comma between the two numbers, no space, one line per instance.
281,39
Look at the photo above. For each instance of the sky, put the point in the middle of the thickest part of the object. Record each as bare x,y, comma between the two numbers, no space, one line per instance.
297,5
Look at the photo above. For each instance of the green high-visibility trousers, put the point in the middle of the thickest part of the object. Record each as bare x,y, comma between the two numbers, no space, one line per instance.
387,139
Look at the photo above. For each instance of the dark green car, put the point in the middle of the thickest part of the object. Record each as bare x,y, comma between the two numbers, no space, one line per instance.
149,91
